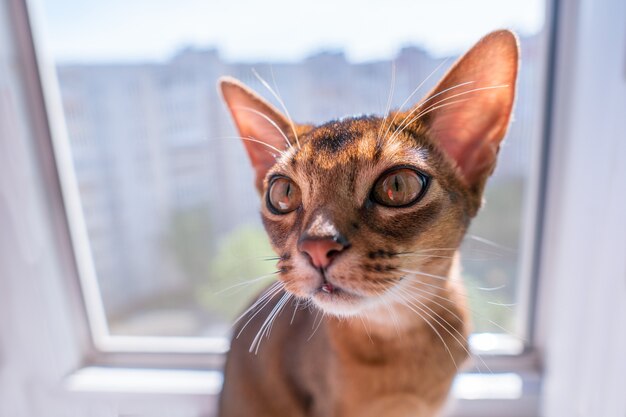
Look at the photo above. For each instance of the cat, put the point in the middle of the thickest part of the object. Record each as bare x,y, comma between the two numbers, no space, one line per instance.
366,215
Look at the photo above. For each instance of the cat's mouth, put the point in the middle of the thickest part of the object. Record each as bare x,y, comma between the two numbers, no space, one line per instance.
334,299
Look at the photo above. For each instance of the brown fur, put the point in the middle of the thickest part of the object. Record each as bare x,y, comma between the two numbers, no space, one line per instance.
370,353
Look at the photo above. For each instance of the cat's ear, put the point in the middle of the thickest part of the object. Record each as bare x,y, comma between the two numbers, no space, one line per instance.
264,130
468,112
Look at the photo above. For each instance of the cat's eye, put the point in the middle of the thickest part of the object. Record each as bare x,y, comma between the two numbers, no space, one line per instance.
399,187
283,196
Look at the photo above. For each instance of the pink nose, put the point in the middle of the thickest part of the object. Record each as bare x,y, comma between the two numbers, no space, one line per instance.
321,251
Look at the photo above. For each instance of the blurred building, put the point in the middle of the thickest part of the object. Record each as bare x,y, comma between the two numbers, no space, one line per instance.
153,140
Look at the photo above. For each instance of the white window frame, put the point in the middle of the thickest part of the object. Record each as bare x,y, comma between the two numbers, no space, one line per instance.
92,373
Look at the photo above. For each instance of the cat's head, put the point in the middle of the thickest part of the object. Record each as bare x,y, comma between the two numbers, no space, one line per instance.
355,206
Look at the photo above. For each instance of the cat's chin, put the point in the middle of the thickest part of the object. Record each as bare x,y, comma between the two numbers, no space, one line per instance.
339,303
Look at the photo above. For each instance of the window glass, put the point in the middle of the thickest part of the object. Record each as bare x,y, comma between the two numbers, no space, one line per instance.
166,190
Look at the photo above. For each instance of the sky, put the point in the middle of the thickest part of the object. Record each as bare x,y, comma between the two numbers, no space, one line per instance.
274,30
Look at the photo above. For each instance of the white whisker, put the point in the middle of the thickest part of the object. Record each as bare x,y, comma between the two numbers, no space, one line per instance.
265,299
249,282
437,318
413,93
280,101
318,325
256,343
266,118
389,98
405,302
419,106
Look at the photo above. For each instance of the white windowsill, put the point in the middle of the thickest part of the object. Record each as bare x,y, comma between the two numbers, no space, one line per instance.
95,379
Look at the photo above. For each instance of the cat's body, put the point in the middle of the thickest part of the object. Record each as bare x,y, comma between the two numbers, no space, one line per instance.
332,367
366,215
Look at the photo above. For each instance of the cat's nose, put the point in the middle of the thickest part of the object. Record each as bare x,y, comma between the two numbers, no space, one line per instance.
321,252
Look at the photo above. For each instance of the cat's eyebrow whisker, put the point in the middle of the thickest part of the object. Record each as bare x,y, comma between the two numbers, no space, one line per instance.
280,100
419,106
415,92
438,319
437,104
251,139
267,119
248,282
425,112
389,99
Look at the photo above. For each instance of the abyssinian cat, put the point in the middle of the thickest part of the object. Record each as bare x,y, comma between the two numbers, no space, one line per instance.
366,215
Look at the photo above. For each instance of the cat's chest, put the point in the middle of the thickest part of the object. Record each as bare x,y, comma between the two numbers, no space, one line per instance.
370,373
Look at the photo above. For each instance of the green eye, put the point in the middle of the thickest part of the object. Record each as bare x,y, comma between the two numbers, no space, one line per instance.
399,187
283,196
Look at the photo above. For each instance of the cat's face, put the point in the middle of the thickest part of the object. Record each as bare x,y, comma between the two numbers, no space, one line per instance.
376,201
355,208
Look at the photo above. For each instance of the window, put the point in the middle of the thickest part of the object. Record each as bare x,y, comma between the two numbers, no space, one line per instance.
168,203
41,309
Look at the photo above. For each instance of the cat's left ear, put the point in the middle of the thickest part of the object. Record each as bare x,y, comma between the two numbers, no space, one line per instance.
469,110
264,130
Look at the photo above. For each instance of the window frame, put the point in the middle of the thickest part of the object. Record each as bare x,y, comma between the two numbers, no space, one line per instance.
132,352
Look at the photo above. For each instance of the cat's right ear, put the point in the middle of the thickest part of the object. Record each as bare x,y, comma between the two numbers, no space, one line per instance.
264,130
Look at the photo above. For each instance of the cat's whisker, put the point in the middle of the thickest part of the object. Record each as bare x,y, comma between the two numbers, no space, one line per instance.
408,271
463,257
445,325
389,99
419,106
295,310
437,104
248,282
266,258
413,93
266,326
426,111
489,243
369,336
271,289
505,305
317,313
280,101
283,304
463,250
267,119
260,304
389,308
318,325
473,311
251,139
496,288
420,282
406,303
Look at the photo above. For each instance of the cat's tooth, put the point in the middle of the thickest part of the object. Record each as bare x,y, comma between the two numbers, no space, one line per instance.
327,288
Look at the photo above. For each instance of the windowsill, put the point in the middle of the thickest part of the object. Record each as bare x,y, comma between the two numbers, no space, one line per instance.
473,394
